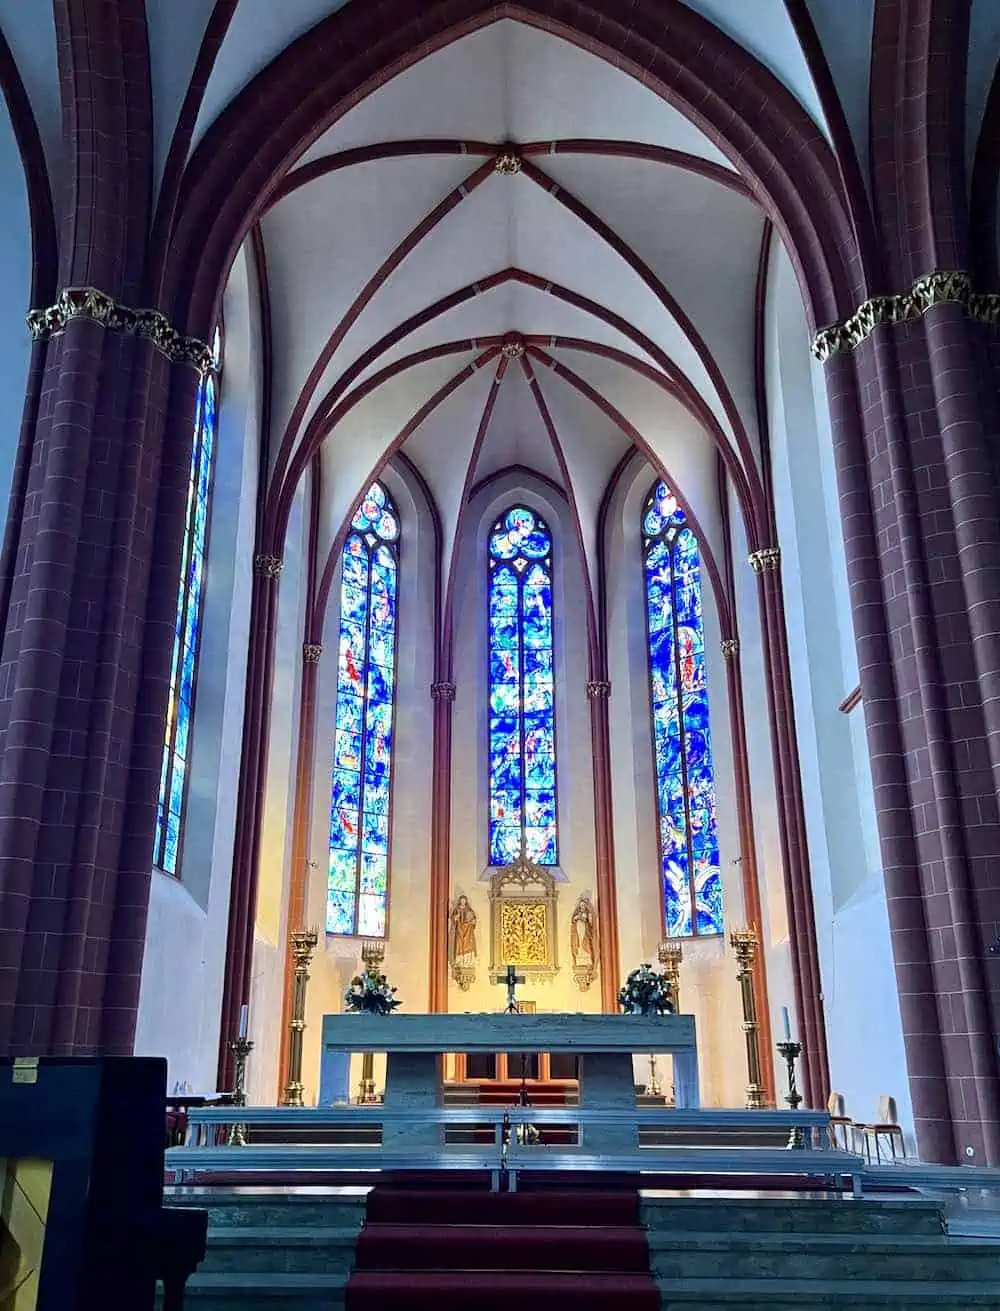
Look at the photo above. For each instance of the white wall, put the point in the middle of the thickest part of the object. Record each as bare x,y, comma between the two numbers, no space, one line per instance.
864,1031
182,975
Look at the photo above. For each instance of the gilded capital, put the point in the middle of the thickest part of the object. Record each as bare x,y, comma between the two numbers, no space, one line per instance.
443,691
268,566
766,559
598,688
744,944
311,652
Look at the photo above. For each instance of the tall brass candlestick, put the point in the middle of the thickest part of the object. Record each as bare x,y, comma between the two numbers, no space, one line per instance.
241,1049
744,943
670,954
302,944
372,956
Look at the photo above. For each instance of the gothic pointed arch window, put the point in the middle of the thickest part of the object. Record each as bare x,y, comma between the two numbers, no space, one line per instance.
361,790
174,770
691,882
522,735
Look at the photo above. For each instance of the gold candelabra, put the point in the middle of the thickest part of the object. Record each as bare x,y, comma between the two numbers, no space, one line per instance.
302,944
241,1049
744,943
372,957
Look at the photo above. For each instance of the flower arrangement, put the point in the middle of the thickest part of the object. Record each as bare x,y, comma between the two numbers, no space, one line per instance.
371,992
645,992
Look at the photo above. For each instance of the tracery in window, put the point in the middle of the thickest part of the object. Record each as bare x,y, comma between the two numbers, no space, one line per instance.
522,745
187,631
685,780
361,791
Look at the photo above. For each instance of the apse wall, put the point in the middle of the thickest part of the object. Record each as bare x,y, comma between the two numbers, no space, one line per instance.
470,869
338,958
184,958
864,1031
708,987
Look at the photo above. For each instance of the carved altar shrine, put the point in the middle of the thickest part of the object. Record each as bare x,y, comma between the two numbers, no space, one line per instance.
605,1045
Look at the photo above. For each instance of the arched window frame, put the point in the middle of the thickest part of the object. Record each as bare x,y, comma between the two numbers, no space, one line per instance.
520,549
179,726
684,779
361,796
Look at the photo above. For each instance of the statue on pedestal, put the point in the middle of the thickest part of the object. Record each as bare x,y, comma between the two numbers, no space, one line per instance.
583,942
462,942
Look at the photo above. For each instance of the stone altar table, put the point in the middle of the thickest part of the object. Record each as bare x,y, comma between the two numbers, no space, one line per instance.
605,1045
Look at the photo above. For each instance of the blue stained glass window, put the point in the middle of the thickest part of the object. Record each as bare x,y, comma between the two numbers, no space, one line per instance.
358,889
522,739
682,747
187,631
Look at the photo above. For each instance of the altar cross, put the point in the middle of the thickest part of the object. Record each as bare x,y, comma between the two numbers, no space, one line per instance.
512,980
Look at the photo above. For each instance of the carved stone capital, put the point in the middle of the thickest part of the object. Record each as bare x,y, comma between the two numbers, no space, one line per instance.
443,691
598,688
268,566
766,559
99,307
311,652
937,288
730,646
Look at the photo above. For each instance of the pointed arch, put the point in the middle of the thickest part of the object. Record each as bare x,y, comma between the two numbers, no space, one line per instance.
691,879
361,782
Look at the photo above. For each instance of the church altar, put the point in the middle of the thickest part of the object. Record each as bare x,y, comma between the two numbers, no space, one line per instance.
605,1045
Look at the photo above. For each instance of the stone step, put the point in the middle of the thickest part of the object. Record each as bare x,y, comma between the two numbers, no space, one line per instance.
791,1215
275,1292
720,1294
288,1249
827,1256
275,1208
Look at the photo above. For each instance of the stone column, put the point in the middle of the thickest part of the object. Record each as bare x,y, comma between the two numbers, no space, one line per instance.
598,693
443,696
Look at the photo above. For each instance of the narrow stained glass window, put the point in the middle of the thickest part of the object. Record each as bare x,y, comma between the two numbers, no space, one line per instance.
358,895
685,781
522,702
187,632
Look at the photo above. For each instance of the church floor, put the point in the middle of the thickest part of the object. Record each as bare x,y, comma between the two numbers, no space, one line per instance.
296,1247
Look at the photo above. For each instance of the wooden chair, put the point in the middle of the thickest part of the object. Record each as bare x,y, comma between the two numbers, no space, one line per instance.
843,1130
886,1127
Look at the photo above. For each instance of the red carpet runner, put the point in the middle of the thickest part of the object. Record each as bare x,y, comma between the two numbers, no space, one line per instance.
451,1250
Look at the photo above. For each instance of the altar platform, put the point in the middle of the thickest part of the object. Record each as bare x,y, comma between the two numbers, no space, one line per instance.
603,1044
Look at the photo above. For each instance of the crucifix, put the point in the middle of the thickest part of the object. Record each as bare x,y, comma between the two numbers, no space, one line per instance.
512,980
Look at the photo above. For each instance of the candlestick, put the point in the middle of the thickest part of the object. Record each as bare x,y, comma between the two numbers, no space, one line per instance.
241,1049
670,953
791,1051
302,946
744,943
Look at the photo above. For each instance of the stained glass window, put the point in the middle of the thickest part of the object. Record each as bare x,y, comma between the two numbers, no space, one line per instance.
358,891
187,631
522,695
685,781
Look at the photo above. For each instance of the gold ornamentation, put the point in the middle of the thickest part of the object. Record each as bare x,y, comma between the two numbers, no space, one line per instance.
670,953
523,899
301,944
443,691
311,652
89,303
512,348
268,566
767,558
744,944
507,163
598,688
583,942
943,286
730,646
